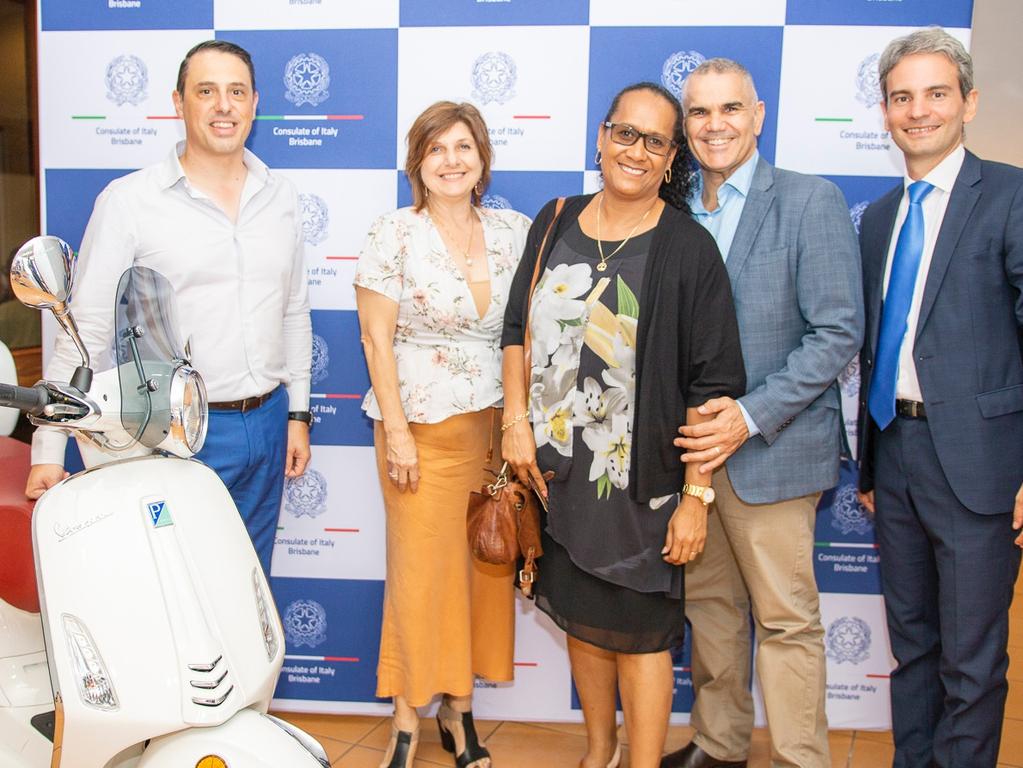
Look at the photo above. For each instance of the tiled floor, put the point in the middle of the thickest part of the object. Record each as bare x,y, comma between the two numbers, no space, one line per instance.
359,742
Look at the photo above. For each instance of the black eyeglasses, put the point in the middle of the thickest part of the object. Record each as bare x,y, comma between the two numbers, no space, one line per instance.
626,135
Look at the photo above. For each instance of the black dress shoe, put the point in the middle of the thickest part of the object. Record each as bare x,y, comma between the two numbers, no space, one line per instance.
691,756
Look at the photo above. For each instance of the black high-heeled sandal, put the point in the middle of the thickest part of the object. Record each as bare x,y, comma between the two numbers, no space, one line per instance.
474,751
401,748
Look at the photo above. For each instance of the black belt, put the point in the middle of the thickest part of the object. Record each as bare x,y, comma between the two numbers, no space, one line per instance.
248,404
910,409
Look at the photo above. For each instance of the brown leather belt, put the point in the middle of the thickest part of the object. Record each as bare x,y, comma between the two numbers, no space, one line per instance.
910,409
248,404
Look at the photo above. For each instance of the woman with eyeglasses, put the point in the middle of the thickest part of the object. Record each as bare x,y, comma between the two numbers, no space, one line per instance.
431,288
632,328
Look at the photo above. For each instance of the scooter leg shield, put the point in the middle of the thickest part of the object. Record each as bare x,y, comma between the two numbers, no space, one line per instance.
247,740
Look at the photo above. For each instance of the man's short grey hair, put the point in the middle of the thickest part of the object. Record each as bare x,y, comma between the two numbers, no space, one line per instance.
723,66
929,40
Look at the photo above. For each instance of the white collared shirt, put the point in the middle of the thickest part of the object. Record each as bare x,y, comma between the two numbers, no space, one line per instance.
943,176
240,286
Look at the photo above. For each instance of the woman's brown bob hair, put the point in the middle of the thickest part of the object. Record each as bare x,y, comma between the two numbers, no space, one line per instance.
435,120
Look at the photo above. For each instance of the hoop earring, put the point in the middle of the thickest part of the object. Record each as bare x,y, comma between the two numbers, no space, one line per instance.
597,158
667,175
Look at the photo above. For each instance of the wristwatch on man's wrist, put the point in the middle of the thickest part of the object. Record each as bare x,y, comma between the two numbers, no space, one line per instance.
304,416
702,492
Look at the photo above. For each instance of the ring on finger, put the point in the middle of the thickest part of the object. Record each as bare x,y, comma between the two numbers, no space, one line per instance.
717,450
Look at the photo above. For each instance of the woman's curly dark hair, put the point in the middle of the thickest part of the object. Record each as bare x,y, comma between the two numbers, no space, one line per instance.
676,192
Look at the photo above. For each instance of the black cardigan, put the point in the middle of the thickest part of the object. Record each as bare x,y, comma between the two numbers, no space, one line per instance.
687,344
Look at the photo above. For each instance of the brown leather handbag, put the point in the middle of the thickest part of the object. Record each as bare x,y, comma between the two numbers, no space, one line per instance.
502,520
503,523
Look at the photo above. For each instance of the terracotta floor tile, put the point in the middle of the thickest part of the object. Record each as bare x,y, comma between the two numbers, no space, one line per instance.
885,737
1012,742
350,728
871,754
840,743
520,745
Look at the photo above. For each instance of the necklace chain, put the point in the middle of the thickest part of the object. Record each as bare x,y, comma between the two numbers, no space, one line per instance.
602,266
472,233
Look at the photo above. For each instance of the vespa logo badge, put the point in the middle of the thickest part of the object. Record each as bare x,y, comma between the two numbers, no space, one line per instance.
159,514
493,78
320,360
307,77
305,623
868,86
848,639
315,218
496,202
127,79
306,494
677,68
848,515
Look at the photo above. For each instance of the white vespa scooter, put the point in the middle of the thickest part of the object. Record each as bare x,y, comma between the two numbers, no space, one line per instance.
162,640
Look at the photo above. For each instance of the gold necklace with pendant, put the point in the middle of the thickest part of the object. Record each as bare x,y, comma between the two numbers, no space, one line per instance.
468,246
602,266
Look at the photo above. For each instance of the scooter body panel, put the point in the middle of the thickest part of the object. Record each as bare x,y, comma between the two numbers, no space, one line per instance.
151,558
248,739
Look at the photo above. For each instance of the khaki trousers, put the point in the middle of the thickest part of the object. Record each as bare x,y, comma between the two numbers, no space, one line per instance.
759,554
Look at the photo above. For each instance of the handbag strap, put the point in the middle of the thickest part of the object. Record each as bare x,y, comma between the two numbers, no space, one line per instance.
527,350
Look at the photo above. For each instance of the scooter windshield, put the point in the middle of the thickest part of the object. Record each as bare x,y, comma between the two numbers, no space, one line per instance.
148,352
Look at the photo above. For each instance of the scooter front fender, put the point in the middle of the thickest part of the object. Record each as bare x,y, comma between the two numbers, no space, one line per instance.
248,739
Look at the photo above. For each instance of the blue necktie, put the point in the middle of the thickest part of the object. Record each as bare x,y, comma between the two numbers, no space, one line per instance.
894,314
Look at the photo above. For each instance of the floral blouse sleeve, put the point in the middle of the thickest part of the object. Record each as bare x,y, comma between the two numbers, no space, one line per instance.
382,260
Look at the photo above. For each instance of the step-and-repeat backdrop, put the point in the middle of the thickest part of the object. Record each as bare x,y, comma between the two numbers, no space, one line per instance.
340,83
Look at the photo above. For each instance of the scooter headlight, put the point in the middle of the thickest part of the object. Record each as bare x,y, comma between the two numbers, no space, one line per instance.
94,684
189,411
266,622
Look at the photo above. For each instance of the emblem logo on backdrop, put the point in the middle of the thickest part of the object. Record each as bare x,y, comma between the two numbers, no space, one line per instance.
306,494
305,623
320,360
496,203
493,78
315,218
848,515
856,214
849,378
127,79
867,85
307,77
848,639
677,68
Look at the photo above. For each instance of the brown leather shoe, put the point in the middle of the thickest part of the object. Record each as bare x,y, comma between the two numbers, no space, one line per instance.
691,756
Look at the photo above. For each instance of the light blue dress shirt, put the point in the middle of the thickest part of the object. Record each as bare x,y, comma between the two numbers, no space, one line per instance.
723,221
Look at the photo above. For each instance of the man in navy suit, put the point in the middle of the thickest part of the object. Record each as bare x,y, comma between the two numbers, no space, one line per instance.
942,408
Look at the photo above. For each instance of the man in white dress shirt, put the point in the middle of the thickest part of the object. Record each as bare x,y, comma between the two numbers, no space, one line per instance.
227,233
942,408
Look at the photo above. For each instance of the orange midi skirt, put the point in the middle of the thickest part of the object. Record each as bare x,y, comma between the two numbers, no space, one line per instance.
447,617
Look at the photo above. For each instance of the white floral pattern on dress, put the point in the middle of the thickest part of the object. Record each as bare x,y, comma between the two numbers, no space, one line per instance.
567,315
449,358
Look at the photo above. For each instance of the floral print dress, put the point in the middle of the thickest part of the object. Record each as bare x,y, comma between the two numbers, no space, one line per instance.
448,356
602,577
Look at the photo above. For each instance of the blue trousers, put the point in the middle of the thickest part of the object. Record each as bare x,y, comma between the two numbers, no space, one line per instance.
247,451
947,574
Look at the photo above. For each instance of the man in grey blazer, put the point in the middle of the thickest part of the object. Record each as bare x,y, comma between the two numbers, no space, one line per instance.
942,408
792,256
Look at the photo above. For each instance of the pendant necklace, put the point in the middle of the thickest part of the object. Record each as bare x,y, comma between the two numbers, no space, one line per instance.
468,246
602,266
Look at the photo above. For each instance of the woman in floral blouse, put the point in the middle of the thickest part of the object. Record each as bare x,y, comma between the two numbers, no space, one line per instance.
632,328
431,287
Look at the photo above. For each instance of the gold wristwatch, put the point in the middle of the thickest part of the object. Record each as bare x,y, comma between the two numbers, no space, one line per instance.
702,492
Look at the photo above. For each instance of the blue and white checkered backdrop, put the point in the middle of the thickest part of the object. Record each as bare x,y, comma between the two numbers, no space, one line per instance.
339,85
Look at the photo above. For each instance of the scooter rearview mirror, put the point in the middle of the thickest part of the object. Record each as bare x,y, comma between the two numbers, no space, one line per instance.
42,273
42,276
